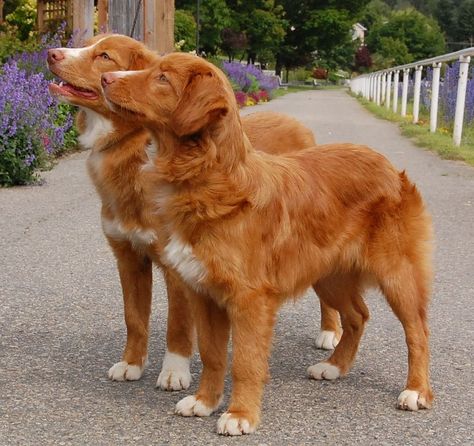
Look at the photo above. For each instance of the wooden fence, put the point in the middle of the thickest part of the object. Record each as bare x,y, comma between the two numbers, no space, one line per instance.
151,21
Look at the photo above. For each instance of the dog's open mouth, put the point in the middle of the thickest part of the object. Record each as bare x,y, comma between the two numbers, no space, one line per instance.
66,89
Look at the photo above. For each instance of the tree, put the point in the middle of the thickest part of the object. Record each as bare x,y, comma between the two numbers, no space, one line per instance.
265,32
362,59
408,28
232,42
376,11
185,29
214,16
263,23
307,29
464,31
330,31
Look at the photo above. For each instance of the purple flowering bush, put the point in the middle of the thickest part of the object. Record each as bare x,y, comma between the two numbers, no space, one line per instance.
34,127
448,94
249,82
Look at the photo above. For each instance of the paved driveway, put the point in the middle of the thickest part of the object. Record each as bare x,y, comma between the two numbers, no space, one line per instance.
61,322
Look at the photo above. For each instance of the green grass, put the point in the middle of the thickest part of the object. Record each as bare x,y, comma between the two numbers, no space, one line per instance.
440,142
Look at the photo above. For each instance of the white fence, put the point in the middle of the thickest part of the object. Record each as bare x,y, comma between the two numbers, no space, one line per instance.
381,87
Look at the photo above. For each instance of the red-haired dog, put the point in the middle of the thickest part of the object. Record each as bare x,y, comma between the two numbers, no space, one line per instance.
119,151
248,230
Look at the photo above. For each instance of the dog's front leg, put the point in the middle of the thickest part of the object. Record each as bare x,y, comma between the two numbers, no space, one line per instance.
136,278
175,374
252,319
213,329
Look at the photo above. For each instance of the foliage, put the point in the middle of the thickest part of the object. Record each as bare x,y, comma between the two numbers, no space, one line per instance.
247,99
362,59
264,24
248,78
233,41
465,22
23,17
185,29
214,16
407,36
10,43
250,84
373,13
33,126
318,29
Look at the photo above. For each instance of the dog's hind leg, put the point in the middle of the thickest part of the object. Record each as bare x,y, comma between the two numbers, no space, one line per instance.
331,332
136,278
343,293
406,288
175,374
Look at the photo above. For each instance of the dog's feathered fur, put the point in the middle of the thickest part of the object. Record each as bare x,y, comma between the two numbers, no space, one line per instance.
252,230
119,153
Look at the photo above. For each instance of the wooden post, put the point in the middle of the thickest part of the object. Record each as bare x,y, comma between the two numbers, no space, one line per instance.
159,25
83,20
102,13
1,11
40,15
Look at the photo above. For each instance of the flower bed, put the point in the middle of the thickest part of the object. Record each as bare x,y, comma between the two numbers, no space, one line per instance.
34,127
251,85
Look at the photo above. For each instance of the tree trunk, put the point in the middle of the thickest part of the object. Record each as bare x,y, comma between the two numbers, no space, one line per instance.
278,65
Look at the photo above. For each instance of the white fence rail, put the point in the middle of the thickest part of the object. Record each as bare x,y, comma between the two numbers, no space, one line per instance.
381,89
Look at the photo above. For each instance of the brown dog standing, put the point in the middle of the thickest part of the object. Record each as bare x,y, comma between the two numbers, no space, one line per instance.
247,230
119,151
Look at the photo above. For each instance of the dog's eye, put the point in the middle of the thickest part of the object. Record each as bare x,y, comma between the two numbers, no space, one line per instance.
162,78
105,56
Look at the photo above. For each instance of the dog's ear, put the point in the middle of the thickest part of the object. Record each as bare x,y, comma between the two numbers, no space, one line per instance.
202,103
140,59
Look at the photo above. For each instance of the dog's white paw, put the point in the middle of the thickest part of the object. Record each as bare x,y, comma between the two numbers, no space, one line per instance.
175,374
411,400
123,371
327,340
231,425
192,407
324,370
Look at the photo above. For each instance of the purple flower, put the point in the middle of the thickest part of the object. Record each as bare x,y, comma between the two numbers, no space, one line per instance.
249,78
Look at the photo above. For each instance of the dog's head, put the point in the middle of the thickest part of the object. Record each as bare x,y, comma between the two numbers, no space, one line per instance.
80,69
180,92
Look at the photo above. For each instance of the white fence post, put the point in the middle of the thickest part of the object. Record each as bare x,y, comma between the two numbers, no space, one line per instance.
406,75
384,86
396,78
388,89
416,93
461,99
435,96
379,88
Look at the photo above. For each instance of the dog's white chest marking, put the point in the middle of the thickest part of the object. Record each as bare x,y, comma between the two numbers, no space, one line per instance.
96,128
137,236
180,256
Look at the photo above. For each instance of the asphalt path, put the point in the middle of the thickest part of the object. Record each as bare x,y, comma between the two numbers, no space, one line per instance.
61,321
